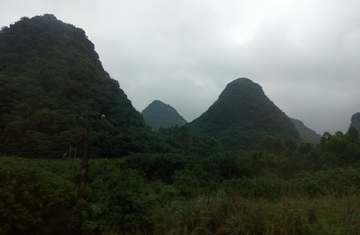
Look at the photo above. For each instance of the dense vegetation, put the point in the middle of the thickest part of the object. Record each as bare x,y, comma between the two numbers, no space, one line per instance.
49,74
159,115
242,116
281,187
305,132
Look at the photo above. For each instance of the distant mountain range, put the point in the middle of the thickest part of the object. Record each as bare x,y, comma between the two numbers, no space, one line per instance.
158,114
243,115
50,75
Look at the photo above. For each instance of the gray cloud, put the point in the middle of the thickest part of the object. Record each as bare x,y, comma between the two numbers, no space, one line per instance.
305,54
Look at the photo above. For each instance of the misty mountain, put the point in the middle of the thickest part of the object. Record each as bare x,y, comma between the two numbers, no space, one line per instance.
49,74
355,121
158,114
306,133
243,115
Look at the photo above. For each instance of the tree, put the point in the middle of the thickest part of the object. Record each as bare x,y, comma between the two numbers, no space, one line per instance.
353,133
206,146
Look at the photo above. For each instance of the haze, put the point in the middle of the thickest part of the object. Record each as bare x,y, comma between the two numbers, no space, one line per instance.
305,54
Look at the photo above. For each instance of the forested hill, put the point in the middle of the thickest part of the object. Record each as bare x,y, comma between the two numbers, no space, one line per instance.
355,120
243,115
49,74
158,114
306,133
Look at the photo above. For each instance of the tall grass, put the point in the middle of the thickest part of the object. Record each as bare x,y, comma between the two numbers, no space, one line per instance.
223,214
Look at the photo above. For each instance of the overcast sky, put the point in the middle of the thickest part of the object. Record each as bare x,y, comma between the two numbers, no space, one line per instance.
305,54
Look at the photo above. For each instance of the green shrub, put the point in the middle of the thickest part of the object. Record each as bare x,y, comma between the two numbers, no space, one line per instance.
116,198
32,199
337,182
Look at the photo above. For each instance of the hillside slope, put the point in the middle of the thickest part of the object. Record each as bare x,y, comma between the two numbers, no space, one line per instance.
158,114
243,115
49,74
306,133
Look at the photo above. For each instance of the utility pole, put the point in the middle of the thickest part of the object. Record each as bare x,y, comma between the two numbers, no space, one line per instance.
72,151
81,191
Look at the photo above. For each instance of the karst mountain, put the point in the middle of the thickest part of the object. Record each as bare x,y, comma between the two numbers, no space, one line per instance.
241,116
158,114
355,121
50,75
